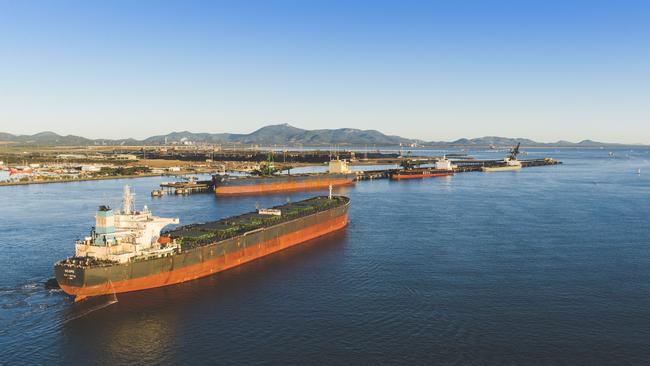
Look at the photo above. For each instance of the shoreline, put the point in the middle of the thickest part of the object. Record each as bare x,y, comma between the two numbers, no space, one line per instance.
8,184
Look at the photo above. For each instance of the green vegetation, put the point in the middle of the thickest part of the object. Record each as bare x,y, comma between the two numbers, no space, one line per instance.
124,170
197,235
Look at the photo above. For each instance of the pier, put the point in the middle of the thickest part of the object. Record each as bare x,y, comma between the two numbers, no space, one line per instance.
472,165
186,187
462,166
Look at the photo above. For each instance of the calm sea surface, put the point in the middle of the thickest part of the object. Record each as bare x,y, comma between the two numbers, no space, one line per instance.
547,265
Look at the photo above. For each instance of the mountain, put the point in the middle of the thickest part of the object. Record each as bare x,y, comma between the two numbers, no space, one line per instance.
285,134
49,138
494,140
46,138
282,134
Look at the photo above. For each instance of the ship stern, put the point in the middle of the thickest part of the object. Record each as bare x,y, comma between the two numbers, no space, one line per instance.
71,278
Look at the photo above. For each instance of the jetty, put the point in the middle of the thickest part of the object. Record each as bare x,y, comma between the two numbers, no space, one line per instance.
185,187
461,166
440,165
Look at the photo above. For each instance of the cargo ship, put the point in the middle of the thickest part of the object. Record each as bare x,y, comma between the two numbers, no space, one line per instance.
442,167
269,182
419,173
127,252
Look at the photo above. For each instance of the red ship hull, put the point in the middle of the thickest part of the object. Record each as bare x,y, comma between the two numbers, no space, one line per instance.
281,184
420,174
199,262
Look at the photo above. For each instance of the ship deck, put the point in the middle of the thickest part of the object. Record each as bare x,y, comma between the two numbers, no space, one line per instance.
283,175
195,235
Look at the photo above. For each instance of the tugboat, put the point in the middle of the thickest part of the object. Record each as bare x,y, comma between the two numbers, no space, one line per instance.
509,163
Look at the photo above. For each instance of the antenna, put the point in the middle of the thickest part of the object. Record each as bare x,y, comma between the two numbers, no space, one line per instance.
128,201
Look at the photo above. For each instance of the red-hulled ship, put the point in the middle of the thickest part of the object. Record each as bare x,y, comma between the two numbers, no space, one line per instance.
442,167
226,186
419,173
126,252
267,180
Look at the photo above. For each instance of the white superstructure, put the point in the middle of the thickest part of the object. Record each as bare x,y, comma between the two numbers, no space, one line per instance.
126,234
444,164
339,167
512,162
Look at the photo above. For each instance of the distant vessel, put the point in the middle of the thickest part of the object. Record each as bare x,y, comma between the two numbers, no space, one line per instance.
509,163
442,167
268,181
419,173
126,251
228,186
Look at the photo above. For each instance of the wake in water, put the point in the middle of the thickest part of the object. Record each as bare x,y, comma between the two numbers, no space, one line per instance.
89,305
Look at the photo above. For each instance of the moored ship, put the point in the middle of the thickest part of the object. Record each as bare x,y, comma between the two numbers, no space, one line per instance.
269,182
227,186
508,164
443,167
419,173
127,252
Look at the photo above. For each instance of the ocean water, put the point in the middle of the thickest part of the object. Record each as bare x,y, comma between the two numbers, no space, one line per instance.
547,266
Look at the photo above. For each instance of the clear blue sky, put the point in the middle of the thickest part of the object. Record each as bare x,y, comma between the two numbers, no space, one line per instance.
547,70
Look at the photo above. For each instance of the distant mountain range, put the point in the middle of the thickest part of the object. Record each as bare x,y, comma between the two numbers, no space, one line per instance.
282,134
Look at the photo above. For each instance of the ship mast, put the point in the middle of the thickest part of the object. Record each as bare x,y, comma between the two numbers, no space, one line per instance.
128,201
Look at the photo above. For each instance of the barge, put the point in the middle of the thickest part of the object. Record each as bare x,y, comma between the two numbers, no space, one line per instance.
267,181
127,252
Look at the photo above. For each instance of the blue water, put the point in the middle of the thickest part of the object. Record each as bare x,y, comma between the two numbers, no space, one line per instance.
547,265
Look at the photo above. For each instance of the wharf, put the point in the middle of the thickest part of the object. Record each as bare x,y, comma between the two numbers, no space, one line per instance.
463,166
476,165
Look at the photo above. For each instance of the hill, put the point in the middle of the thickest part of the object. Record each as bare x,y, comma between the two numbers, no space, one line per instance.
282,134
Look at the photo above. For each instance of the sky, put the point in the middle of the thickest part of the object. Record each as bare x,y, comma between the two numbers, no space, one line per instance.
433,70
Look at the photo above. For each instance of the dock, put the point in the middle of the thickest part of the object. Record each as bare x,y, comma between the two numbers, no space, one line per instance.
462,166
471,165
